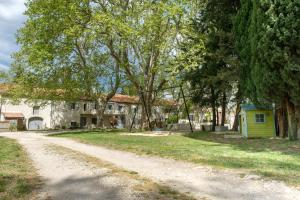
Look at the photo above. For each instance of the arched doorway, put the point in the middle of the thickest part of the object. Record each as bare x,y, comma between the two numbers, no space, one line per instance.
35,123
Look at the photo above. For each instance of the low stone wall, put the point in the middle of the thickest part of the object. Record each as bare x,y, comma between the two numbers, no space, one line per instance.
179,127
221,128
4,125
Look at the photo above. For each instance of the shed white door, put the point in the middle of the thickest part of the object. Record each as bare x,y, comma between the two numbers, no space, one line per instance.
35,123
244,125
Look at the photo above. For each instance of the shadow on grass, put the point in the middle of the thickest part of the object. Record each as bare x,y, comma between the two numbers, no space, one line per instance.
274,158
84,131
283,146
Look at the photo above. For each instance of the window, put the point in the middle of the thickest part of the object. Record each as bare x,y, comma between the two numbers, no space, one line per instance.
72,106
109,106
36,110
259,118
94,120
83,122
85,107
95,105
120,108
73,124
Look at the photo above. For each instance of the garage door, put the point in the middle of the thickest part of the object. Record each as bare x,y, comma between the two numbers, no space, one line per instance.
35,123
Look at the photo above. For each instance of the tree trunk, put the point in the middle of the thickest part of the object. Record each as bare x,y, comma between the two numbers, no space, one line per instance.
292,121
224,103
217,116
236,117
213,106
213,128
146,111
100,114
149,110
101,109
282,122
298,120
143,117
238,96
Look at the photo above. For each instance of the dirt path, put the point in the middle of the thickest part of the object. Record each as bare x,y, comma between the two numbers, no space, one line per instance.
201,182
70,175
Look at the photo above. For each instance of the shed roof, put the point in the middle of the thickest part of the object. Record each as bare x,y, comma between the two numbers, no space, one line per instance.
248,107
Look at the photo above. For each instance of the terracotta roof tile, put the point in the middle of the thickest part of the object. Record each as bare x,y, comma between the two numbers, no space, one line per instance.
4,87
120,98
13,115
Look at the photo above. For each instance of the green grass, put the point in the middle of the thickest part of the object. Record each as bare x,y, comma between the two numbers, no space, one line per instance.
18,179
272,158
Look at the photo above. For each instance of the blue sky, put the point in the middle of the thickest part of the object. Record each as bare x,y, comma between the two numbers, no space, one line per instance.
11,19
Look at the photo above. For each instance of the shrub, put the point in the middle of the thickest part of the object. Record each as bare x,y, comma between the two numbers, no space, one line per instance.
13,127
173,119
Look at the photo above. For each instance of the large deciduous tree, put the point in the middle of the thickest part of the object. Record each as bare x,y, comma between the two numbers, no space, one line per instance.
61,55
140,36
75,44
268,39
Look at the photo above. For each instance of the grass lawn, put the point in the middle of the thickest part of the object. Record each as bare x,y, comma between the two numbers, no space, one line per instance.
18,179
272,158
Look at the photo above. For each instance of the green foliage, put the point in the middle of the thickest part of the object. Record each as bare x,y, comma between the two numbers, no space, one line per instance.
4,76
12,127
173,119
268,39
208,56
60,55
75,48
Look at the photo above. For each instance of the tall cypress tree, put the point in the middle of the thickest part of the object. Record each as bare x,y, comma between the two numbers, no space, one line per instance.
267,35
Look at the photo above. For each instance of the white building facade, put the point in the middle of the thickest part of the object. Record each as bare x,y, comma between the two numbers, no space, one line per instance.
65,115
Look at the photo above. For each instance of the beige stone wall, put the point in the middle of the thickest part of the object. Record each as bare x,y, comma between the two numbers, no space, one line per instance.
27,110
59,114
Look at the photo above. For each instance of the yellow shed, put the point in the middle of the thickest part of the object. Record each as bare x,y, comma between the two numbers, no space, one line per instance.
257,121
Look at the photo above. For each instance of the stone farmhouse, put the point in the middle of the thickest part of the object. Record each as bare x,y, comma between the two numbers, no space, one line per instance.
80,114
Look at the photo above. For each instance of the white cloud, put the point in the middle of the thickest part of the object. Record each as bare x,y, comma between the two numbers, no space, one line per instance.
11,19
10,9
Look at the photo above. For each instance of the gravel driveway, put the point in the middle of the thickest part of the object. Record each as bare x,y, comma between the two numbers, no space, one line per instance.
70,179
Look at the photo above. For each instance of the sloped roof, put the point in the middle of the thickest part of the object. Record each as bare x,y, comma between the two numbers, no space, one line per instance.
4,87
165,102
120,98
255,107
13,115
